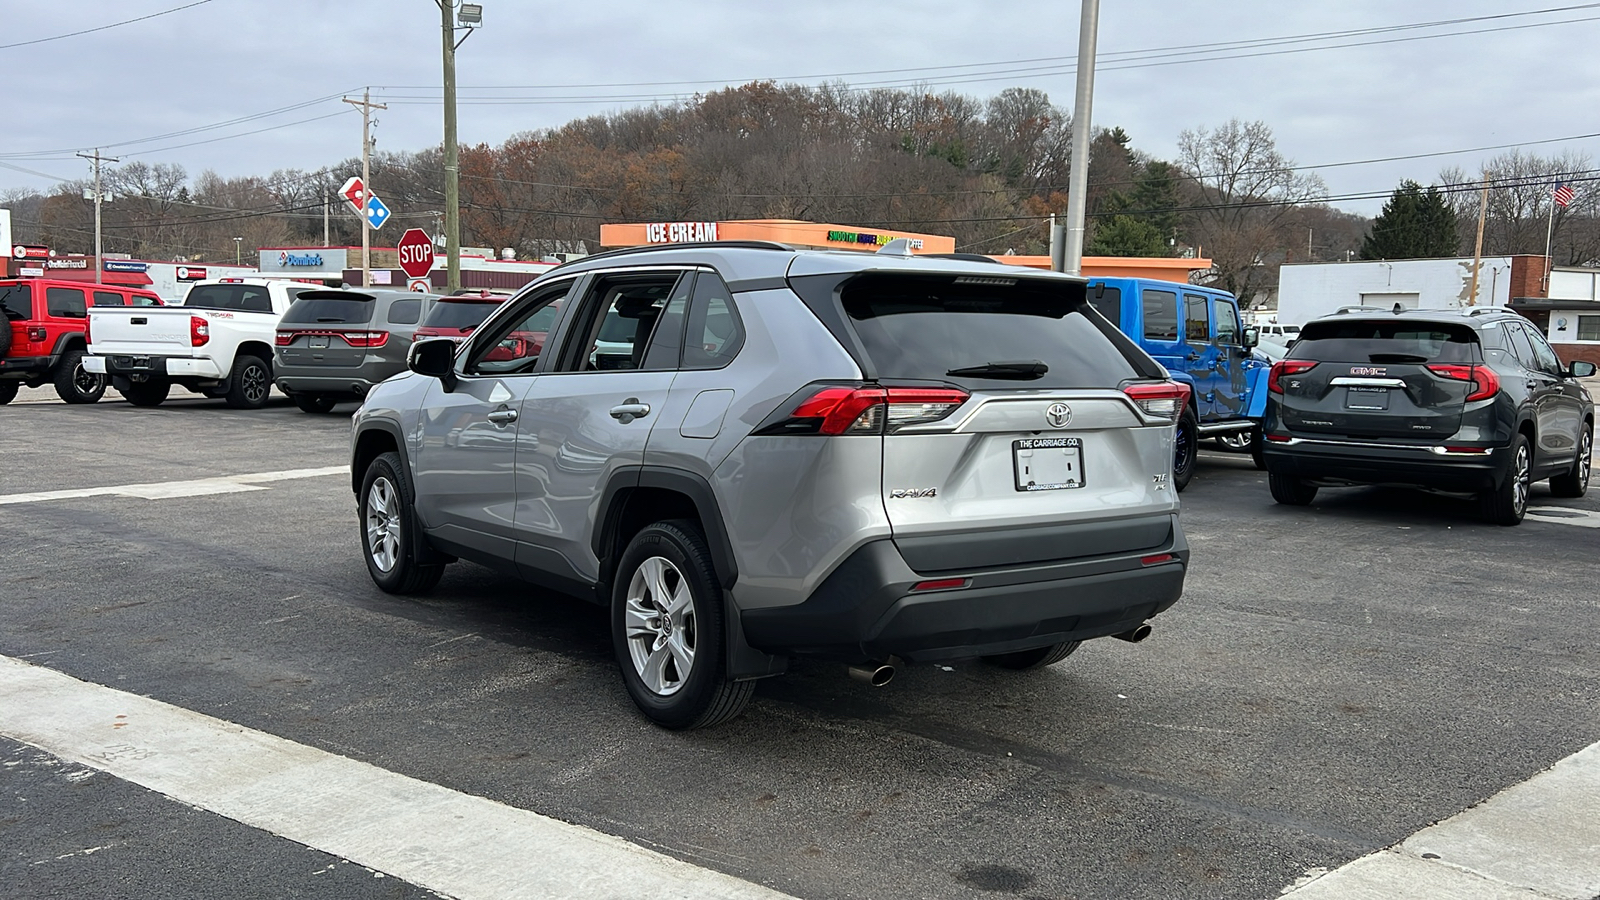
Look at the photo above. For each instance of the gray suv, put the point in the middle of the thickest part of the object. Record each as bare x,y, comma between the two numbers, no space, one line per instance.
750,452
335,344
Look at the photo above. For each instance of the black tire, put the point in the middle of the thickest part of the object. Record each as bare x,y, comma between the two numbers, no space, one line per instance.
8,391
5,335
147,393
250,384
73,384
1290,491
1575,481
1037,658
702,697
1258,451
1185,449
388,514
313,403
1506,504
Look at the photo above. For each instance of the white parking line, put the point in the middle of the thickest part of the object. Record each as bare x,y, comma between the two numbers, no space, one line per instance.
166,490
453,843
1537,839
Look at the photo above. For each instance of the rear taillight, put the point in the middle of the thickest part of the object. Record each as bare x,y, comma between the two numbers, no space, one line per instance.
283,338
1485,383
1286,367
86,338
864,409
365,338
199,331
37,334
1165,399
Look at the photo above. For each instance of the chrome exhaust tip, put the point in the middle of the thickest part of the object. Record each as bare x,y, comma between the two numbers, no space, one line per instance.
875,674
1136,635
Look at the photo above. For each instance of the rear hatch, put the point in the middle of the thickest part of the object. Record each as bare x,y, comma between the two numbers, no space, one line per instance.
16,307
1379,377
134,333
1008,437
328,328
457,317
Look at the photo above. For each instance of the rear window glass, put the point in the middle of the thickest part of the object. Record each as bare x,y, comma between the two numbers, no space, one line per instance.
17,300
1386,341
243,297
330,310
460,313
1107,301
924,327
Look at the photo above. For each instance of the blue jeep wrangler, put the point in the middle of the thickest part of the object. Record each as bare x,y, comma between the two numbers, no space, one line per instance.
1196,332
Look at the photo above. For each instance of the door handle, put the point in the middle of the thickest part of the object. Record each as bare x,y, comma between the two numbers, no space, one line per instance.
630,409
1192,357
502,416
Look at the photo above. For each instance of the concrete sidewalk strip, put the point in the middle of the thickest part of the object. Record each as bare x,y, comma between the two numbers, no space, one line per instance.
457,844
165,490
1537,839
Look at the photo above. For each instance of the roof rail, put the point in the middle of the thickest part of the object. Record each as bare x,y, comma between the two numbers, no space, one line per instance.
963,257
1344,310
689,245
1485,310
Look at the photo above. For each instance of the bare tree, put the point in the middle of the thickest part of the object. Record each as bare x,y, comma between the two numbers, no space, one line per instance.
1243,193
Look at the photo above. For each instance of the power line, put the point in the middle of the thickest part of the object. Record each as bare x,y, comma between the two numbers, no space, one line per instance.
105,27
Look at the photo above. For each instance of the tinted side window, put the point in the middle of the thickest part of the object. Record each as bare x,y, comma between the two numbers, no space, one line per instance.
1160,315
1227,316
145,300
108,298
1521,347
255,299
17,300
1196,325
616,321
666,345
405,312
67,303
1107,301
715,333
1549,362
515,345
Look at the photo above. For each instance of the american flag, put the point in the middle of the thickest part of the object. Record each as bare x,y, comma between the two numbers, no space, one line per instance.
1563,195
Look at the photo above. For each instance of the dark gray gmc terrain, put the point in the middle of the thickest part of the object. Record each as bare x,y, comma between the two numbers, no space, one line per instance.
1462,401
748,452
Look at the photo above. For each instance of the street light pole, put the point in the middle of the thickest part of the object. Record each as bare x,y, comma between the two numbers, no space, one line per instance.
238,244
471,17
1078,178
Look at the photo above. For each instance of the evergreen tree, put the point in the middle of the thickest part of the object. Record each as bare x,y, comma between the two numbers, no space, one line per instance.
1413,225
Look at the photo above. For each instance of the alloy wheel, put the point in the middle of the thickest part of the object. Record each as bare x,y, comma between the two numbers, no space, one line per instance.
383,524
1523,479
87,383
1585,450
255,383
659,626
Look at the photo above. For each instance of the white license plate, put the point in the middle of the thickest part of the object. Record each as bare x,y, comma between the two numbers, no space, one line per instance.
1366,398
317,342
1048,464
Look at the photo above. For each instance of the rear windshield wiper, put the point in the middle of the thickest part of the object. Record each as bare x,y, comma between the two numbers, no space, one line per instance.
1396,358
1016,368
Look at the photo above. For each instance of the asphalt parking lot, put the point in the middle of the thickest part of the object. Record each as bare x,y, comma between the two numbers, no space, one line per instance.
1335,678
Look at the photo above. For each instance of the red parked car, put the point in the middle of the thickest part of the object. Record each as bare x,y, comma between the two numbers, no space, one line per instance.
47,324
457,315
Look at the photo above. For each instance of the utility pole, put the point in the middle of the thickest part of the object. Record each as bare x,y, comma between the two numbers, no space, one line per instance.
99,265
452,172
367,106
1477,250
1078,178
325,241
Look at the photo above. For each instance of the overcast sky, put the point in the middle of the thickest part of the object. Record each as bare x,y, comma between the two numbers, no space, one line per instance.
1424,91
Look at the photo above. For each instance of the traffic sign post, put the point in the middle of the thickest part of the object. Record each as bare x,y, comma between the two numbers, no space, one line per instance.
416,252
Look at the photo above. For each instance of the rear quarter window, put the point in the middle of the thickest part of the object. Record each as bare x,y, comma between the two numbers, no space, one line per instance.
65,303
1387,341
405,312
922,327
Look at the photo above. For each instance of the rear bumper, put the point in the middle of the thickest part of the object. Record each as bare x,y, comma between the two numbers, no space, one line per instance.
175,367
18,367
354,381
866,609
1377,463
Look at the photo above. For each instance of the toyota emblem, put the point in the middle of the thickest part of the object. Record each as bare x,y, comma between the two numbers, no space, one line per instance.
1058,415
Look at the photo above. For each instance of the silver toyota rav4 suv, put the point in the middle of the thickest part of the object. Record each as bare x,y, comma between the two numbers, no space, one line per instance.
873,458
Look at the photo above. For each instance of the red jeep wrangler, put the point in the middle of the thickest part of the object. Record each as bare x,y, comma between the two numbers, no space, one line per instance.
43,339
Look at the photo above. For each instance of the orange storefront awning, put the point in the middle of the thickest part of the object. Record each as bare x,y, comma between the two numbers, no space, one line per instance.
784,231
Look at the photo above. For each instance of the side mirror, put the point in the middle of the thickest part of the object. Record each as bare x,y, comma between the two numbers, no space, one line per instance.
1581,369
1252,336
435,358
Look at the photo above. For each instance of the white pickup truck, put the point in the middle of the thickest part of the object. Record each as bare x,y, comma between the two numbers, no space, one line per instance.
217,343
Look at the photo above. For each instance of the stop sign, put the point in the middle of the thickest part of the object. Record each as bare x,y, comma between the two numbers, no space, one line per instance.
416,253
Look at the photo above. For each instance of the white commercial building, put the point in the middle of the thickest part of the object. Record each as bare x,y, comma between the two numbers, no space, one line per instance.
1309,290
